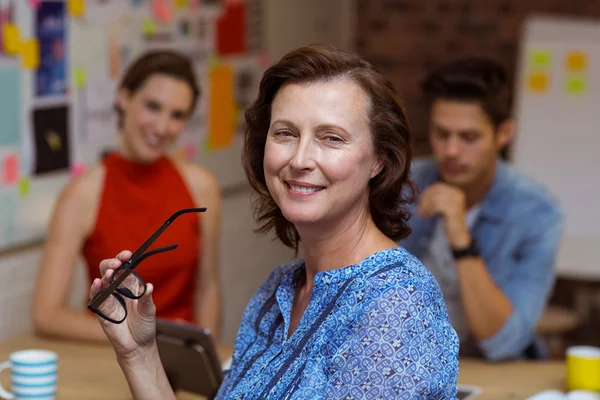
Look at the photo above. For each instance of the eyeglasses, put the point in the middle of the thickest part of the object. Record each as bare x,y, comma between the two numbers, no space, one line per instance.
124,282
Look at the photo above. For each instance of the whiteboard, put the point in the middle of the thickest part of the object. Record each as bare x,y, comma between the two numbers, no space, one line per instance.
58,117
557,139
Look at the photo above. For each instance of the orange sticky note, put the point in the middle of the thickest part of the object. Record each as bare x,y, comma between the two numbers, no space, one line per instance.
11,169
538,82
77,7
30,51
10,34
162,12
576,61
221,107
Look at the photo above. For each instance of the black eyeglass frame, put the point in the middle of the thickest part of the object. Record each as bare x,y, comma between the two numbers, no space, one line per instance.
127,268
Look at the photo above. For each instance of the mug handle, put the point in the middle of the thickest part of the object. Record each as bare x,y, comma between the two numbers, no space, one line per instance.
5,394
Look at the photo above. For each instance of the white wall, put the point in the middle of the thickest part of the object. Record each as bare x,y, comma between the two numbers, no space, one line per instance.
246,257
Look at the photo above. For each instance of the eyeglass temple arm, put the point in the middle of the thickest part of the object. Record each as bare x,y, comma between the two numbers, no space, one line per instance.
138,253
96,301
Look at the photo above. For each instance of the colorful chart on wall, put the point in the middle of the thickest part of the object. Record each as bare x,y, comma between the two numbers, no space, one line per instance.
60,64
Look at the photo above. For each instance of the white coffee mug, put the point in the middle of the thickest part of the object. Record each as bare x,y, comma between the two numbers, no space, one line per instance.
33,375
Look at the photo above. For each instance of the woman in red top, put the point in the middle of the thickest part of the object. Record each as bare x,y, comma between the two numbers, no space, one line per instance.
139,187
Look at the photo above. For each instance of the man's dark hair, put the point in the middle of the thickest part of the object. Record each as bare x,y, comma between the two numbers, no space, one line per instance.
472,80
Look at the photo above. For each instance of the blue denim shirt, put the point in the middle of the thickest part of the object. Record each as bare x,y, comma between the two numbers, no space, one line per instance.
518,231
374,330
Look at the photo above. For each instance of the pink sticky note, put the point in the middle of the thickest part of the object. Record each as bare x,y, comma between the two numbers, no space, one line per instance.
264,59
162,12
194,4
11,169
190,151
77,169
34,3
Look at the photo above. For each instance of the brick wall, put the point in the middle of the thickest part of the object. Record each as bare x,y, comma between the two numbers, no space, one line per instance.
406,38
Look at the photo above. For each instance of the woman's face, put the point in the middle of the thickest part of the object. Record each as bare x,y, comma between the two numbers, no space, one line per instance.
154,116
319,155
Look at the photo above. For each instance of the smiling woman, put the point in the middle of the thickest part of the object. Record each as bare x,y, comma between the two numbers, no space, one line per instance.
138,187
327,152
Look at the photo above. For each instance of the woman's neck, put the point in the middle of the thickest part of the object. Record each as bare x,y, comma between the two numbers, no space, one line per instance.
349,245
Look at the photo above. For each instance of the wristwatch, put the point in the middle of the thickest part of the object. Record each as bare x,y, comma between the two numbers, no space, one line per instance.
472,250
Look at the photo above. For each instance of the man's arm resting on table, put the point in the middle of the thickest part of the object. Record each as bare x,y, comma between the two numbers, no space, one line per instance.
486,306
146,376
504,320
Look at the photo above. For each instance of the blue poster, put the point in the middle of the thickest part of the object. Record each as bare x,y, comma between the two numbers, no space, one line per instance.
51,25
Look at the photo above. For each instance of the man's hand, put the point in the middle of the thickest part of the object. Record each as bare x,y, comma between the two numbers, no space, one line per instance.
449,202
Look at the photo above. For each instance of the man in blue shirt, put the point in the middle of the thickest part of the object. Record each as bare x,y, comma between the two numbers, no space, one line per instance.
487,233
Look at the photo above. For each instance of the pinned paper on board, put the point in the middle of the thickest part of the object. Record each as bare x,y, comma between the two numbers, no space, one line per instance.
24,186
575,85
161,11
80,77
76,8
77,169
539,59
221,107
148,27
30,51
114,56
264,59
213,61
10,110
11,169
11,38
576,61
231,30
181,3
190,151
538,82
51,32
34,3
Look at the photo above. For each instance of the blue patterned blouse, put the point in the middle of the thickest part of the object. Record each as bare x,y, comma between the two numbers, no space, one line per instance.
375,330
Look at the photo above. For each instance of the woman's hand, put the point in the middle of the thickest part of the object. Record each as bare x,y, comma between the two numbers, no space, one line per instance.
134,336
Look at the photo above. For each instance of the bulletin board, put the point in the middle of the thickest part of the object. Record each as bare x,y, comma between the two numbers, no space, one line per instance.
60,64
557,135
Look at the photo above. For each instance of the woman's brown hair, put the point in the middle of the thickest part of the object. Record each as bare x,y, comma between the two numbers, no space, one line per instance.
389,191
163,62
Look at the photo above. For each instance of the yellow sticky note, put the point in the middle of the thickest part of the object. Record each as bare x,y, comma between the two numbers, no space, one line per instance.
24,187
538,82
77,8
575,85
80,77
30,51
181,3
576,61
10,34
148,27
221,107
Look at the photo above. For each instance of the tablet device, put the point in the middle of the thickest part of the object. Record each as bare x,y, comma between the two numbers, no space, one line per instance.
467,392
189,357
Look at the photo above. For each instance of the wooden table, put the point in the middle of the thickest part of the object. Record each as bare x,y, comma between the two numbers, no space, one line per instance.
89,372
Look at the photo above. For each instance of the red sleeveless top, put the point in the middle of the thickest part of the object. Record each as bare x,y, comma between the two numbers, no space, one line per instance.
136,200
